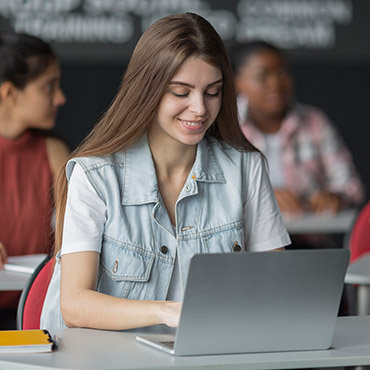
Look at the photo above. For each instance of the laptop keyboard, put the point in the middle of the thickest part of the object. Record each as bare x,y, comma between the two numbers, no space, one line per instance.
169,344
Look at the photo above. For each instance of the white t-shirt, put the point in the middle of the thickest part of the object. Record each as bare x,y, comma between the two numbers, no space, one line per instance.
273,154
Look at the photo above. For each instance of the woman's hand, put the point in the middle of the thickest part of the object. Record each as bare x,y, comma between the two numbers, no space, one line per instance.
3,256
323,201
171,313
289,203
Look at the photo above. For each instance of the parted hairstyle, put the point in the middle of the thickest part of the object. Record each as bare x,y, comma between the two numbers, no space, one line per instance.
158,55
23,58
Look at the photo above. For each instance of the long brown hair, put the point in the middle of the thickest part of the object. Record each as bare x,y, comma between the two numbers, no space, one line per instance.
158,55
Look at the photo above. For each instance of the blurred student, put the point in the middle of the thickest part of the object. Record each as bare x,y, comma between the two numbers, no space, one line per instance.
30,96
309,165
166,174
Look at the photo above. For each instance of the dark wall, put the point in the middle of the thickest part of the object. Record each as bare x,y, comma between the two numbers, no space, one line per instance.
89,89
341,89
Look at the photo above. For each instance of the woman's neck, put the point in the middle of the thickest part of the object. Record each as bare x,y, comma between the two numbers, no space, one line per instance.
172,160
9,128
267,123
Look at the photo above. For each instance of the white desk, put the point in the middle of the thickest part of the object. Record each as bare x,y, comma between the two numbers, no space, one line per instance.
97,349
358,273
12,280
341,223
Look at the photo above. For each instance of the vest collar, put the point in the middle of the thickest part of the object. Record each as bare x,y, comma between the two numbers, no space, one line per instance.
140,180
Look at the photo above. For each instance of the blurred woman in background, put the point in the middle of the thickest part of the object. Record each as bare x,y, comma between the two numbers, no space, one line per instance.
30,96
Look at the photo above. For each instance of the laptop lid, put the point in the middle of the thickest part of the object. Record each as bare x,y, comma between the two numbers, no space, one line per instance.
260,302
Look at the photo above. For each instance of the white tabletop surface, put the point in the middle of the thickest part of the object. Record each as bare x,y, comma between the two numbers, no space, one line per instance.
311,223
12,280
358,272
97,349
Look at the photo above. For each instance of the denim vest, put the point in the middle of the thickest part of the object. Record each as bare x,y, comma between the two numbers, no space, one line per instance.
140,244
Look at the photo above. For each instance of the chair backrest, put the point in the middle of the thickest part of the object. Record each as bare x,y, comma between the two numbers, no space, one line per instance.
33,295
359,240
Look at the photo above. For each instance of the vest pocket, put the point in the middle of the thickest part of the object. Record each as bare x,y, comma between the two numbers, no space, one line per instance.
225,239
124,271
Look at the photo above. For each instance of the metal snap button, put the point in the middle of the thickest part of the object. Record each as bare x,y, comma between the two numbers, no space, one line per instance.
237,247
186,228
164,249
115,267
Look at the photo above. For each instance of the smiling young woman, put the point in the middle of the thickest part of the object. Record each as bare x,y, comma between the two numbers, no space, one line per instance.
166,174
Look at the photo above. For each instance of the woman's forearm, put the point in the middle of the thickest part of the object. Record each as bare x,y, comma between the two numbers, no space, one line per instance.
87,308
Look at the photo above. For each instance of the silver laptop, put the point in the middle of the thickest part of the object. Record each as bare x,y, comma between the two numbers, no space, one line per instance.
258,302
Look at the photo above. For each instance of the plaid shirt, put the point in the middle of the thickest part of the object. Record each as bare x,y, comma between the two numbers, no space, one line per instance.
314,157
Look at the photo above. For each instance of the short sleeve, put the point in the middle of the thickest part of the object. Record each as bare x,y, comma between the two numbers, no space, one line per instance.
85,215
264,227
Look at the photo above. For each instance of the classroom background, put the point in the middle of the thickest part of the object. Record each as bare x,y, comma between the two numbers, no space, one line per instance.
326,42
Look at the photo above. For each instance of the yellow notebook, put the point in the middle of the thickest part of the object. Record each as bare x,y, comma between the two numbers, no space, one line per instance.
25,341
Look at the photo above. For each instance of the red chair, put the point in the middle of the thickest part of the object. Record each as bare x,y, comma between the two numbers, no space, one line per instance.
358,242
33,295
359,239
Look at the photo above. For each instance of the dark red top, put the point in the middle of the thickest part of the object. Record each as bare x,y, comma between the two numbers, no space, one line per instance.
25,199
